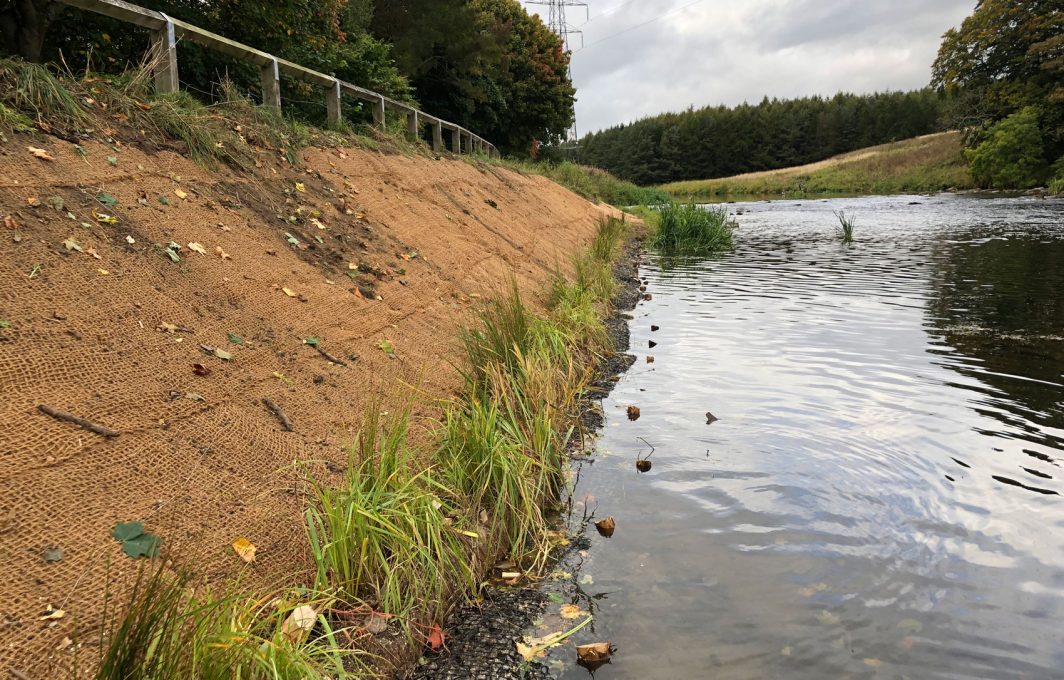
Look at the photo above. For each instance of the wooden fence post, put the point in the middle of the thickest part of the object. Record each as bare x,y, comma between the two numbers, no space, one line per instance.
164,44
456,140
271,85
437,137
378,113
332,104
413,127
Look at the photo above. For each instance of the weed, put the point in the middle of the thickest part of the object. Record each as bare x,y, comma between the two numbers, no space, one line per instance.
384,533
846,225
32,89
690,228
167,631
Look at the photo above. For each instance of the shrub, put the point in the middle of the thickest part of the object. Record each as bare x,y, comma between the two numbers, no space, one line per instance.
1010,153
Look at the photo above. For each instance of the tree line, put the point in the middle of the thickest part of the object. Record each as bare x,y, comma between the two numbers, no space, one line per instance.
721,141
485,64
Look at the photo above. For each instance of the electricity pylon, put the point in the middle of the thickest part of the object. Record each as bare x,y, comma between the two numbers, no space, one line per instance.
558,23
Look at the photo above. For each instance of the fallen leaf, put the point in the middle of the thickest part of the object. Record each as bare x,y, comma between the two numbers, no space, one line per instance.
246,549
223,355
9,222
127,530
633,413
386,347
594,655
193,396
300,187
435,638
606,526
103,272
643,465
317,223
104,218
587,580
529,652
180,194
197,247
291,239
650,358
52,555
145,545
201,370
53,614
107,199
66,642
113,160
311,341
40,153
164,200
289,292
377,624
299,623
873,663
56,203
571,611
235,339
221,253
92,251
70,244
172,254
827,618
130,240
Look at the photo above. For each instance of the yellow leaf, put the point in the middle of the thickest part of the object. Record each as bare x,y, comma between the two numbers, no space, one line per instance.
40,153
245,548
289,292
197,247
300,187
180,194
571,611
104,218
471,534
103,272
528,652
53,614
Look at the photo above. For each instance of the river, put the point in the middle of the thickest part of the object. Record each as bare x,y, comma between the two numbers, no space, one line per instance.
880,493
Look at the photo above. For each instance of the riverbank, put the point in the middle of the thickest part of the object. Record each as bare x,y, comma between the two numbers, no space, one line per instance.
924,164
226,324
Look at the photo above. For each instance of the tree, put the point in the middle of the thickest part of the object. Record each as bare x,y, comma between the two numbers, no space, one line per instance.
1010,155
24,25
1007,56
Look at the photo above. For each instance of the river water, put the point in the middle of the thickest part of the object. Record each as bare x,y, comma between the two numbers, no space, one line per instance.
880,495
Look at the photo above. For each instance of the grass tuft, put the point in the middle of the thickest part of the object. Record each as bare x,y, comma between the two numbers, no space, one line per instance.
846,225
690,228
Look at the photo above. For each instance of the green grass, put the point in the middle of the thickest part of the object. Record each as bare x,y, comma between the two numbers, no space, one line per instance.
385,533
167,630
690,228
591,183
924,164
846,225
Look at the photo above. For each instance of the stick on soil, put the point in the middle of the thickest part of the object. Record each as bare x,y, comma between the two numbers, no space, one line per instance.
80,422
279,413
329,357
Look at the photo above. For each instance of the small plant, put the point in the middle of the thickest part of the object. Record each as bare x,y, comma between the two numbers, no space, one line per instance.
846,225
690,228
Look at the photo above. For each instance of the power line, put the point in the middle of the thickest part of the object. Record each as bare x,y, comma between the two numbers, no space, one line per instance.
638,26
557,22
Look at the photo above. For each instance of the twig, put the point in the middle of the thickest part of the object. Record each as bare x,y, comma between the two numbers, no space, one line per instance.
19,675
80,422
648,444
328,356
286,423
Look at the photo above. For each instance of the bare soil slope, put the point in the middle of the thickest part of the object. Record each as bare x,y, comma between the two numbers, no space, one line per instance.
100,322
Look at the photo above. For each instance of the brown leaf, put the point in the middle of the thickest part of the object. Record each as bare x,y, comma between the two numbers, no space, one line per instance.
606,526
633,413
299,623
650,358
92,251
10,222
70,244
166,327
435,638
221,253
594,655
643,465
571,611
245,548
40,153
201,370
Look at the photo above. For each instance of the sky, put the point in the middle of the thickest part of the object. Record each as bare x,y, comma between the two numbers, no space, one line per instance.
708,52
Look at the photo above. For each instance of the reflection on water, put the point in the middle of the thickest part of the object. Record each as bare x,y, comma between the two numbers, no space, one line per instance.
880,495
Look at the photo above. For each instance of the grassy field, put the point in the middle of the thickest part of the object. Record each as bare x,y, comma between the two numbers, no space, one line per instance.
928,163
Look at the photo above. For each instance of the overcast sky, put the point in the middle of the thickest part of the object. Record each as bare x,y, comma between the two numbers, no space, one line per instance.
708,52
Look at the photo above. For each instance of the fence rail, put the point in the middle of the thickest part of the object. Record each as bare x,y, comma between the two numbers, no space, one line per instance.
167,31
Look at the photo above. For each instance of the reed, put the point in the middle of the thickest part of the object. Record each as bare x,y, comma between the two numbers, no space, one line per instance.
690,228
846,225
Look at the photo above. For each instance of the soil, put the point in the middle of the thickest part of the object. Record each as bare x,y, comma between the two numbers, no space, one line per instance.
482,639
362,250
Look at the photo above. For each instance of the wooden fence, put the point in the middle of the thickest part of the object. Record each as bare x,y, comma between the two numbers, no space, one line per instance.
167,31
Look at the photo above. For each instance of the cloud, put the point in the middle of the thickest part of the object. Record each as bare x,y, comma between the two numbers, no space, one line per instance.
651,56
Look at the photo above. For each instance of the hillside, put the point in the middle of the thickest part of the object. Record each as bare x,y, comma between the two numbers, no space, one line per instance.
928,163
167,302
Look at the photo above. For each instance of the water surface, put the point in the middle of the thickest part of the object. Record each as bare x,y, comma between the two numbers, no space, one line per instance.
880,496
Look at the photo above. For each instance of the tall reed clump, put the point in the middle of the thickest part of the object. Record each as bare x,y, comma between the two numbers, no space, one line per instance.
504,444
846,225
167,630
385,533
690,228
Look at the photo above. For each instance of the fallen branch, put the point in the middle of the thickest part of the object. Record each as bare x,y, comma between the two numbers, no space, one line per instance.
328,356
80,422
279,413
